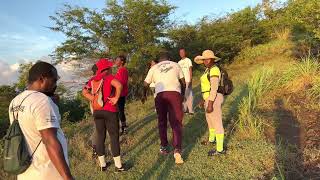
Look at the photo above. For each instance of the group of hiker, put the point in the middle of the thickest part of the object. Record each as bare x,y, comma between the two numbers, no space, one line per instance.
38,116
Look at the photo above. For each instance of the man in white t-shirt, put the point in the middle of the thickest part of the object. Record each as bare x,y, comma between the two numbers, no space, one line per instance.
39,120
186,66
169,89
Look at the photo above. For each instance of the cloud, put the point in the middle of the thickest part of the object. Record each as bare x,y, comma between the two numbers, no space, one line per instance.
8,73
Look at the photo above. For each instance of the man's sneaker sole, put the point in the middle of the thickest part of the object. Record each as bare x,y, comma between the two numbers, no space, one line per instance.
164,151
178,158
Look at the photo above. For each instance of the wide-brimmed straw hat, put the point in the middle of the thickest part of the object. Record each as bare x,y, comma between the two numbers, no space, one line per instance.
207,54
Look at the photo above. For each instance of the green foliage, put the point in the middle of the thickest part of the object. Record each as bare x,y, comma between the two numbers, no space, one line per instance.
7,93
264,51
226,35
258,85
73,110
315,89
23,75
306,67
306,13
132,27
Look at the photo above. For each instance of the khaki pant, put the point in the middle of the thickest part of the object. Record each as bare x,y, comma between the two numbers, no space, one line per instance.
214,119
188,103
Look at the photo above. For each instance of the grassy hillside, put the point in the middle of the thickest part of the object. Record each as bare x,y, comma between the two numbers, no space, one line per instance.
271,123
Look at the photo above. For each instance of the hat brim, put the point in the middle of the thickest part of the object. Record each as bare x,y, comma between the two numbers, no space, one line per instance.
199,59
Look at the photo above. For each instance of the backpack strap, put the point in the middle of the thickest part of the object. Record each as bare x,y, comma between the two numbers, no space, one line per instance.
35,149
16,117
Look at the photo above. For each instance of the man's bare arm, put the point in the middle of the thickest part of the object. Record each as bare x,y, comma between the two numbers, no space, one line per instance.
55,152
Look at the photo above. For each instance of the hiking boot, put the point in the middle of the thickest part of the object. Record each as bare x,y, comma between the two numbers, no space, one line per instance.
103,168
124,130
121,169
191,113
178,158
216,153
205,142
164,150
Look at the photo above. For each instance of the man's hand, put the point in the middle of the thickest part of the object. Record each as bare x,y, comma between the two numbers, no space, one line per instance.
210,107
113,100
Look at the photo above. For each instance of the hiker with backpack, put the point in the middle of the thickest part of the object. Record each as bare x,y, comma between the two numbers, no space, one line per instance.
169,88
212,91
122,76
103,91
35,146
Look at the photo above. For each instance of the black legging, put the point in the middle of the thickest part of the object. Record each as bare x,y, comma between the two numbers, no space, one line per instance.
106,120
121,105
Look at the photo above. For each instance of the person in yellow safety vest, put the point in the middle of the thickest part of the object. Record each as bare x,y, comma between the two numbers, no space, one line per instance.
212,99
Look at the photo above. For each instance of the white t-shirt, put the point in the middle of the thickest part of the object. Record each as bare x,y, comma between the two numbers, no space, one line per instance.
185,65
38,112
165,76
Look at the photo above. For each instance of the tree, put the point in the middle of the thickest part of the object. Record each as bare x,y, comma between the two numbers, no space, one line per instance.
133,27
7,93
226,36
23,76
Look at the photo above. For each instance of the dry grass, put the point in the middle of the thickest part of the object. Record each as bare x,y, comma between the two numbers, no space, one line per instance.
282,34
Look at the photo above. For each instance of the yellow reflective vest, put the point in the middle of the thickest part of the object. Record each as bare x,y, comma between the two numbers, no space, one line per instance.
205,83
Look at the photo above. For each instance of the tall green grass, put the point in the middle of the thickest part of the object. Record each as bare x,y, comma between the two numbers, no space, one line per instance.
314,92
260,83
308,66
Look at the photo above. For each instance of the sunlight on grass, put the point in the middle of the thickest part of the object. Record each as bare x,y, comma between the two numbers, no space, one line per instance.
260,83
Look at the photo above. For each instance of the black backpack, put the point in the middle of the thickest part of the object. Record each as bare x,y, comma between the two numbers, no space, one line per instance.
225,85
16,158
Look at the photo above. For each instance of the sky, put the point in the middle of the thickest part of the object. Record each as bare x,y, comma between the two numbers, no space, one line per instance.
24,36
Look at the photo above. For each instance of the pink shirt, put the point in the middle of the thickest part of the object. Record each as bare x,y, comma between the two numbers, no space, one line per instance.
122,76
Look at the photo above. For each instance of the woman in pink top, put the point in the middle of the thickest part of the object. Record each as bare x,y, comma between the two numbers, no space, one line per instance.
122,76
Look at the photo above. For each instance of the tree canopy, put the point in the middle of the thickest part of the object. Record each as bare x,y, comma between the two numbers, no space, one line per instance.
130,27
